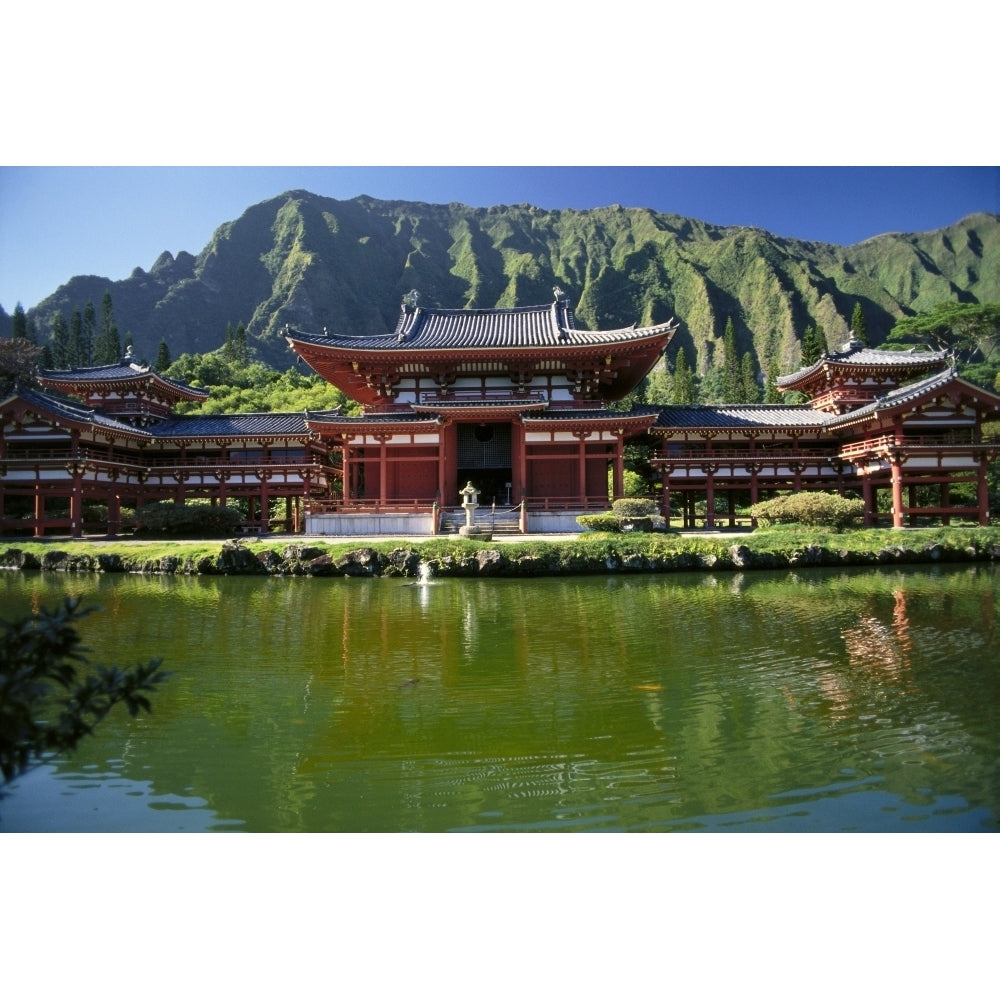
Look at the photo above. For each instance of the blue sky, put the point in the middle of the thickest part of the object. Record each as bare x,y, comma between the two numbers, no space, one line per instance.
95,150
57,222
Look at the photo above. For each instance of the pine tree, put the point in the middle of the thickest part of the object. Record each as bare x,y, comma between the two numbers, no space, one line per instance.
683,390
821,344
162,357
108,348
810,347
858,325
750,390
60,342
771,393
77,355
731,388
89,331
19,323
240,345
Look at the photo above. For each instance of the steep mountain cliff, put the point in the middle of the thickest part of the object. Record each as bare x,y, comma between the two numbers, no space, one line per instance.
315,262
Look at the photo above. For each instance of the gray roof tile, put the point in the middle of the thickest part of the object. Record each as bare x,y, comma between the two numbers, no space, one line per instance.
423,329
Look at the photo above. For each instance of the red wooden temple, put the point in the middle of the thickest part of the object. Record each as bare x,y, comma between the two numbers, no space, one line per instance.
520,402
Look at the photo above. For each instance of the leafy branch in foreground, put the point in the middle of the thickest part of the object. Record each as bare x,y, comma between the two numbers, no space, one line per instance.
45,709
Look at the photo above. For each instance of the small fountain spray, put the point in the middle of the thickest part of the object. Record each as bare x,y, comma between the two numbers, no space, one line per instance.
424,573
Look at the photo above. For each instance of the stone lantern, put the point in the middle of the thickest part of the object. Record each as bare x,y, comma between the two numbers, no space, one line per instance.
470,501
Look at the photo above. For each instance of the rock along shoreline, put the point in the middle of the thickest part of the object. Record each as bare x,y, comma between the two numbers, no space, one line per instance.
552,559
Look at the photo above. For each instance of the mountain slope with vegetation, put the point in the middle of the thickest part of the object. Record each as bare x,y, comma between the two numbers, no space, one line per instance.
313,263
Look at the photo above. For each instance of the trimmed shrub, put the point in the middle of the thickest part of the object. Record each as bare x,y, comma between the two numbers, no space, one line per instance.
599,522
633,507
190,520
811,509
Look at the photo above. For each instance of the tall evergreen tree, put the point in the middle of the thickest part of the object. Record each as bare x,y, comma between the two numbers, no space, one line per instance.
684,388
89,331
732,391
749,389
60,342
75,355
858,325
19,324
108,348
810,347
821,344
771,393
240,344
162,357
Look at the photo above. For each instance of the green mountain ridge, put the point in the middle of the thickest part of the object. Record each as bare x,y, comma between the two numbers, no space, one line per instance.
313,263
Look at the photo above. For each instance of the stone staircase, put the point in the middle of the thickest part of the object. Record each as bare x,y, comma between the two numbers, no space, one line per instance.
506,523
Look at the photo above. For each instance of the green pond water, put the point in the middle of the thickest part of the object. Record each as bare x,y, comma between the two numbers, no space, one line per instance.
810,701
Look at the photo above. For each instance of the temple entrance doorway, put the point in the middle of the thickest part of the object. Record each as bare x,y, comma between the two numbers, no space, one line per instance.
484,460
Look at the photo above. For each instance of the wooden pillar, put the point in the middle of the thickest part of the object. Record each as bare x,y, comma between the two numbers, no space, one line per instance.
265,506
581,471
114,515
383,471
442,477
897,492
39,508
983,492
76,504
710,501
619,473
665,502
869,497
521,485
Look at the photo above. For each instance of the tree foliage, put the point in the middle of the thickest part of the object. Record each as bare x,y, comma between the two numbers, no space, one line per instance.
253,387
19,359
684,388
859,328
46,707
969,330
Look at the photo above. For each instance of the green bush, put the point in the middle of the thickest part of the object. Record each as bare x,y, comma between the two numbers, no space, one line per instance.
599,522
812,509
633,507
195,519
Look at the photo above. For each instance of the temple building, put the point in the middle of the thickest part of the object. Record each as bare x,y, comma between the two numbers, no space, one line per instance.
98,439
511,400
877,421
522,404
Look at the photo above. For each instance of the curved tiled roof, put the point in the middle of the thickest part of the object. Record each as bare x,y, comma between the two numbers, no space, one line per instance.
423,329
123,371
234,425
761,415
907,394
72,411
856,354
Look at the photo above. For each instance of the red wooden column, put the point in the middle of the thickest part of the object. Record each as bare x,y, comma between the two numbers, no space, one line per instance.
897,491
983,492
866,493
39,507
383,470
76,501
442,476
114,515
619,474
581,465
